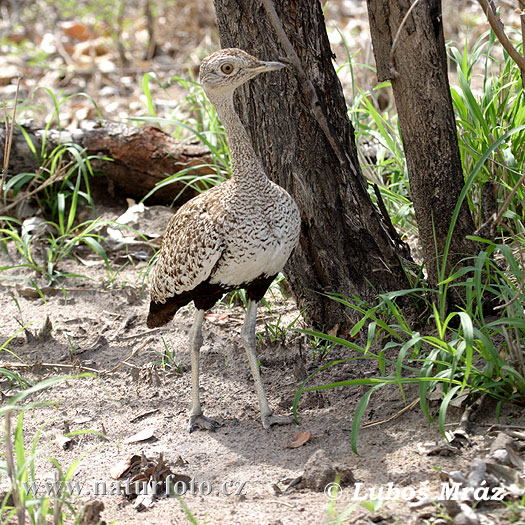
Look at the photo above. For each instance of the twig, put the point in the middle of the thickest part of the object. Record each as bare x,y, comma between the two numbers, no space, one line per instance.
508,199
410,406
8,138
135,352
75,366
521,4
492,428
497,27
143,415
308,87
57,176
62,50
393,70
49,365
141,334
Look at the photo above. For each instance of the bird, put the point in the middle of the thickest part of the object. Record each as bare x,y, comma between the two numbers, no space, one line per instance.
236,235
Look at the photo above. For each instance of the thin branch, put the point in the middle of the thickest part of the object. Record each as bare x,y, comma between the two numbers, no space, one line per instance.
406,408
497,27
521,6
77,366
57,176
328,130
508,199
8,138
307,85
393,70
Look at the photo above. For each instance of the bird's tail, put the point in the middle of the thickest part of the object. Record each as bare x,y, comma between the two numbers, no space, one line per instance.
161,313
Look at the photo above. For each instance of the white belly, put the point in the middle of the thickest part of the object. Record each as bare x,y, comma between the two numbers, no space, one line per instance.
250,264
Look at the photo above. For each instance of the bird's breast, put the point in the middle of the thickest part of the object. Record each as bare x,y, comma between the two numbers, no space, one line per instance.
255,252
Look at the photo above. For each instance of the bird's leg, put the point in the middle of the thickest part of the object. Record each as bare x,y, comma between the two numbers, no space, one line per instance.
248,336
197,420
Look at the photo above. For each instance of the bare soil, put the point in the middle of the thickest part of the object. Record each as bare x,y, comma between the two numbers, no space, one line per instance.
97,324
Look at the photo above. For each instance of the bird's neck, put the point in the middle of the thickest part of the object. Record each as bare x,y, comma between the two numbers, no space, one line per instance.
246,165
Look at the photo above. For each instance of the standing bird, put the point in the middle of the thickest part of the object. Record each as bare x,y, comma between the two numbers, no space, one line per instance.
238,234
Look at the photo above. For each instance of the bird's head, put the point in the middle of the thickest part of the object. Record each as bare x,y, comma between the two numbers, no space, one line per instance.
227,69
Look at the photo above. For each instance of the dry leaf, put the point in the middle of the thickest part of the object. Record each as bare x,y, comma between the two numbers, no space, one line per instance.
64,442
143,435
78,31
299,440
333,331
122,466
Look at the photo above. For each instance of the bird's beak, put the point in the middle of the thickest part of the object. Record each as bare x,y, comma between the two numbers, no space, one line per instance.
267,66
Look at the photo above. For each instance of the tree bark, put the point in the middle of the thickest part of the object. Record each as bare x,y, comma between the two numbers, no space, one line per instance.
426,116
142,157
346,245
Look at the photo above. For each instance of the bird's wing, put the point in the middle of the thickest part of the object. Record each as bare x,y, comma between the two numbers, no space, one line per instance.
192,245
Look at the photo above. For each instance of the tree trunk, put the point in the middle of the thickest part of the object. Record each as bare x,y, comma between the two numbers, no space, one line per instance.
346,245
422,95
141,158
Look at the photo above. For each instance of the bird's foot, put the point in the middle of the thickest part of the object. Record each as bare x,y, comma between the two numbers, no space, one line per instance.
270,420
201,422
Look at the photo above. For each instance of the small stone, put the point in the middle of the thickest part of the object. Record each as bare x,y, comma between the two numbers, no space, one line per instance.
318,471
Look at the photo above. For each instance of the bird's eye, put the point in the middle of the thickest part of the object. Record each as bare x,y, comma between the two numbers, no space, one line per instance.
227,69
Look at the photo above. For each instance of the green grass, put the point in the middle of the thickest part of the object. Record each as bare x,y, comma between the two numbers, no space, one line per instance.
490,110
168,359
196,120
61,189
462,350
476,348
18,463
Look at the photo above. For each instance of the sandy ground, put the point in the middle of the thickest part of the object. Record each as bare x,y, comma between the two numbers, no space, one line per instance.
97,325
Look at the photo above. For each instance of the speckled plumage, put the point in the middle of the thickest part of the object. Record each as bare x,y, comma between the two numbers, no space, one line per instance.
236,235
231,235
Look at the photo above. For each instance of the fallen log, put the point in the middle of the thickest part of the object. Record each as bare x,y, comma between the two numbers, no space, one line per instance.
141,158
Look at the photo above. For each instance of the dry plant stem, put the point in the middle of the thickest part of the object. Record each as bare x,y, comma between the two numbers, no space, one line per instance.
58,176
150,26
11,468
8,138
496,25
319,114
410,406
521,6
130,356
307,85
16,366
508,199
515,352
396,38
77,366
62,50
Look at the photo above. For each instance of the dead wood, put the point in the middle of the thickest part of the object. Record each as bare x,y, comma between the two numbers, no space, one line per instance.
141,158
